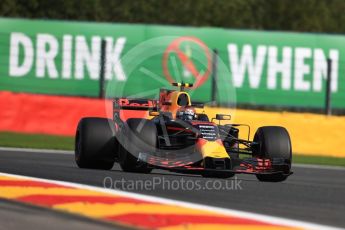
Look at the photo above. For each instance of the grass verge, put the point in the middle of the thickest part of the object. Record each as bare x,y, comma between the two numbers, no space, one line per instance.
318,160
41,141
36,141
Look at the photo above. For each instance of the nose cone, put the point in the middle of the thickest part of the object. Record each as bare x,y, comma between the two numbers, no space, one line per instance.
214,149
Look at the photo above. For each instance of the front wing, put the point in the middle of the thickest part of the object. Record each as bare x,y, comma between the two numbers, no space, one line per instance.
242,166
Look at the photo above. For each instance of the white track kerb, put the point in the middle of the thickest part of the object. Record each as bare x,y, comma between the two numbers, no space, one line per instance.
223,211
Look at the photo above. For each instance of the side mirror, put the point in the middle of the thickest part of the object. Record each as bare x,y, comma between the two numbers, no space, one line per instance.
154,113
166,103
222,117
198,105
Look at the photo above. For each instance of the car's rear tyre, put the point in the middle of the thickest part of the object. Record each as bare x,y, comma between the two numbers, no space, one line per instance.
141,137
95,143
274,143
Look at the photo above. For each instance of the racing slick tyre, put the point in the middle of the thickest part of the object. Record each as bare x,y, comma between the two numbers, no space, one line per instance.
141,137
274,144
95,143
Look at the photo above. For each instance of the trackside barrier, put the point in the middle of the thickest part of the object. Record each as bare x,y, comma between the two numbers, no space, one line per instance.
54,115
311,134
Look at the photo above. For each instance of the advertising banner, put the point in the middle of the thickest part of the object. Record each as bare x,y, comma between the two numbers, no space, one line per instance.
261,68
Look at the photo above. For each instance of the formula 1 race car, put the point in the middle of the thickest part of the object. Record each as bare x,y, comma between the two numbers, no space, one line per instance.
170,134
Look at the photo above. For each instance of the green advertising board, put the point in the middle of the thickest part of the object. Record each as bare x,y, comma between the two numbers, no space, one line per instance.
259,68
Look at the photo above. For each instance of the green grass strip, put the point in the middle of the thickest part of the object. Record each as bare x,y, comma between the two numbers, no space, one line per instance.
36,141
318,160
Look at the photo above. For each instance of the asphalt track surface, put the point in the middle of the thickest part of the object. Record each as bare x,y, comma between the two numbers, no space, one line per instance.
310,194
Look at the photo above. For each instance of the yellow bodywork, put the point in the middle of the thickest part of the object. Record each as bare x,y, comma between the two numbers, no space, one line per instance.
213,149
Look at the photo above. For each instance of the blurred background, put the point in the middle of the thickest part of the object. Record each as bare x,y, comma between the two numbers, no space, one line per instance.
283,62
300,16
265,62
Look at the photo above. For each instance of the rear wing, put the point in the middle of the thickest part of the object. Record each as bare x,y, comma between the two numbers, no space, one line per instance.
134,104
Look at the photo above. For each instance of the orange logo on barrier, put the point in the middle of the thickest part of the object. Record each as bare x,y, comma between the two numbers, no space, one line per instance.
174,47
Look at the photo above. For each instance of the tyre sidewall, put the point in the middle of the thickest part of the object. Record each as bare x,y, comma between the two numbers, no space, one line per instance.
95,143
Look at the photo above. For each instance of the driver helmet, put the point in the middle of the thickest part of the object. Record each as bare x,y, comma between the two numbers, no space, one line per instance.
186,113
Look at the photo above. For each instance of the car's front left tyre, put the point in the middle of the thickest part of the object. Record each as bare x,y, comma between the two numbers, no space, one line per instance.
95,143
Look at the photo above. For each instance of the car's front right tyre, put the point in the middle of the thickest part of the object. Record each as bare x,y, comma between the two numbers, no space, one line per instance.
274,143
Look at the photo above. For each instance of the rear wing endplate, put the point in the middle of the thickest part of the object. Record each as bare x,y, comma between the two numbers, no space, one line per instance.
134,104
